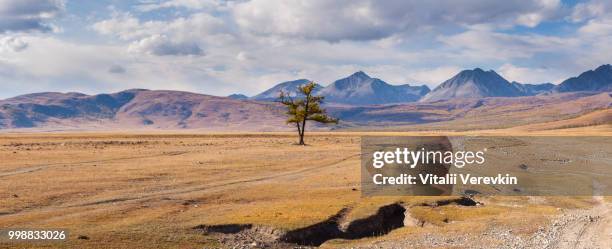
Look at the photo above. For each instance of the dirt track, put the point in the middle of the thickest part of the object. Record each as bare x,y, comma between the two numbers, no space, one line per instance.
584,229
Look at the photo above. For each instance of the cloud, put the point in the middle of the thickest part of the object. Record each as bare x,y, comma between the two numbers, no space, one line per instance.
528,74
52,64
243,56
434,76
116,69
127,27
597,27
13,44
160,45
542,10
371,20
28,15
597,18
591,9
487,45
182,36
188,4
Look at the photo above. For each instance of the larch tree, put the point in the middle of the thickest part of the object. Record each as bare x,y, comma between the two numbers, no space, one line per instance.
305,107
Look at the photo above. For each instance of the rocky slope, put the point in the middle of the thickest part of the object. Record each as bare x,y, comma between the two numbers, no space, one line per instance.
471,113
533,89
356,89
361,89
475,83
288,87
599,79
237,96
138,109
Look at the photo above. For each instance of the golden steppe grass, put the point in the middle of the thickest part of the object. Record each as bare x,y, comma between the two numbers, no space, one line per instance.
147,190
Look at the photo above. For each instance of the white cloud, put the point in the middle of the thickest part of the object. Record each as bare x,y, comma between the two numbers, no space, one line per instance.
530,20
127,27
161,45
434,76
243,56
371,20
544,9
12,44
179,36
591,9
487,45
28,15
188,4
528,74
597,27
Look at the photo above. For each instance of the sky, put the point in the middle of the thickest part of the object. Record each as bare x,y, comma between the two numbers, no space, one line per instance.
222,47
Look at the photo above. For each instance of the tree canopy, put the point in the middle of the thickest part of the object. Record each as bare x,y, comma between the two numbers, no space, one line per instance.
305,107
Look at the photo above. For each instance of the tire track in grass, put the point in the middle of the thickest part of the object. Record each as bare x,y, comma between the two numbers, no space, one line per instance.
39,167
150,196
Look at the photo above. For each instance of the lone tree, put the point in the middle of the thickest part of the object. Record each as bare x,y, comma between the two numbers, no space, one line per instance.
306,107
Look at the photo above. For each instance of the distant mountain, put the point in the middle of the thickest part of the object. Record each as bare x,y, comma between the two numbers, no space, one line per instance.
357,89
31,109
475,83
599,79
237,96
361,89
138,109
466,100
420,91
289,87
533,89
482,113
145,109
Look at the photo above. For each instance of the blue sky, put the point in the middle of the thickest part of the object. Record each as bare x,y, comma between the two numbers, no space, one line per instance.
222,47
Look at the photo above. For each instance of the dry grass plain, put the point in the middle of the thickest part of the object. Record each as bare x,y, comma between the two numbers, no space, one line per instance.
148,190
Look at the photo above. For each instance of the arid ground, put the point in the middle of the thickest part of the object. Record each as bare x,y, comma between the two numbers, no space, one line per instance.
239,190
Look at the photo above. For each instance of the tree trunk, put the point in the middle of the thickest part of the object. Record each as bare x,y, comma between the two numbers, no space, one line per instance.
302,134
301,142
304,119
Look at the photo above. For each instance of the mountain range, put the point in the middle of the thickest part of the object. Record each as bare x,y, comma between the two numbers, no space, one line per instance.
475,83
289,87
358,100
237,96
137,109
593,80
356,89
361,89
533,89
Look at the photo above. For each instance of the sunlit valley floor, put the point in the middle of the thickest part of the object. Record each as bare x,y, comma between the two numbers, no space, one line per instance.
250,190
